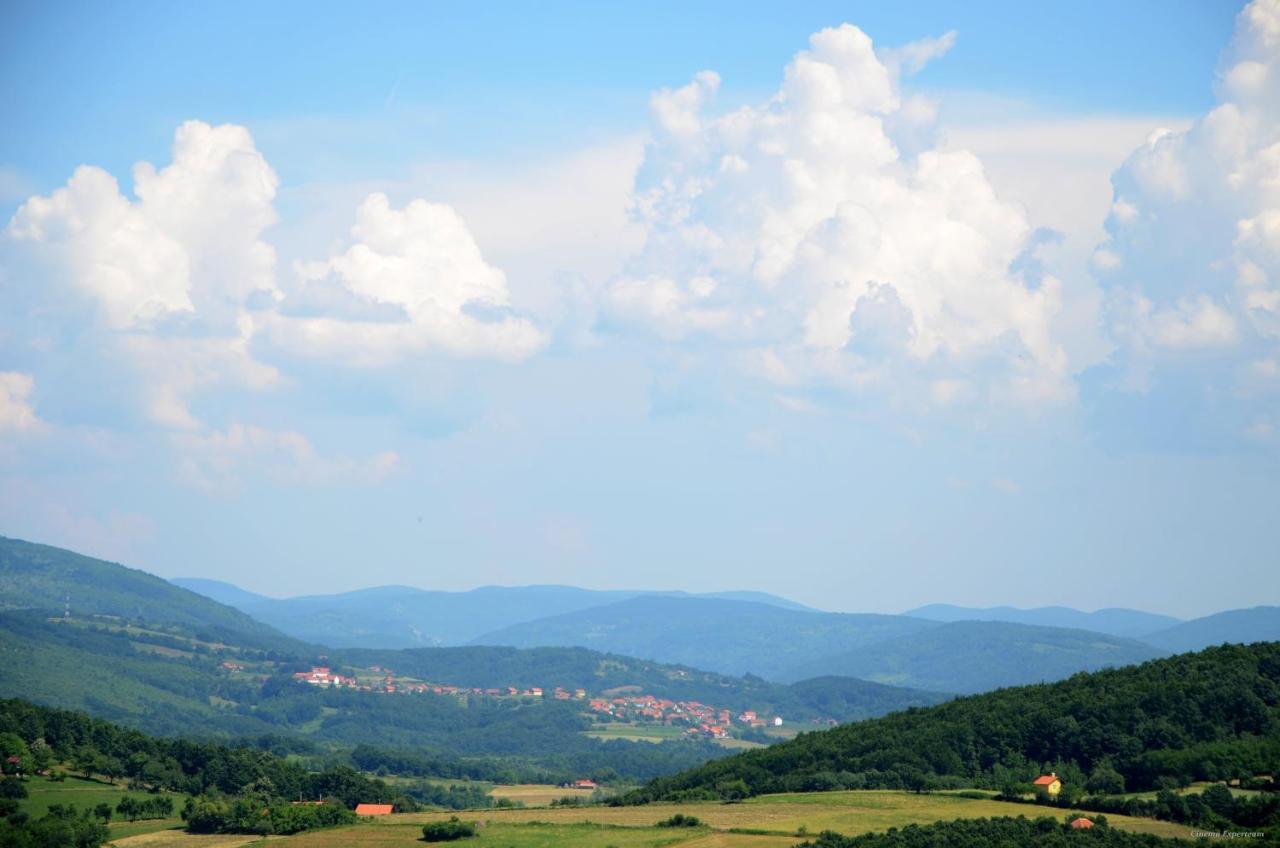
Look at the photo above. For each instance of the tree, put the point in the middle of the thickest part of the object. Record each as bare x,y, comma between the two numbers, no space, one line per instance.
1105,781
103,811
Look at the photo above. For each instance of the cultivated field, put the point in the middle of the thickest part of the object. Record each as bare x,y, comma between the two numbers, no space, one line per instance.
774,821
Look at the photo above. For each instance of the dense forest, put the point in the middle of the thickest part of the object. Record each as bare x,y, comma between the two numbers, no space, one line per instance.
1213,715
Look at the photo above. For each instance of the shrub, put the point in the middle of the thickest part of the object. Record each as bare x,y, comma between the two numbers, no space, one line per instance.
448,831
681,820
11,787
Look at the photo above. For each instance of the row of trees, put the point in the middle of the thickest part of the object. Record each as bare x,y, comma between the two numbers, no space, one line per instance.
998,833
1214,808
261,813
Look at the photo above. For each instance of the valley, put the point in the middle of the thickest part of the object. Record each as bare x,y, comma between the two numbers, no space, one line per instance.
549,744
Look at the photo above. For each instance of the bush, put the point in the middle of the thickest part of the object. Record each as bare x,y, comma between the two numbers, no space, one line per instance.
11,787
680,820
448,831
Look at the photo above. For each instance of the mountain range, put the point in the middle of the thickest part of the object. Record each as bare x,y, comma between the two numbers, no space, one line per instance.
1114,621
938,648
405,617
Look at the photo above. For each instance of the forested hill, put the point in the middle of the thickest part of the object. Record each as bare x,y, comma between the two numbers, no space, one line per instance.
968,657
845,698
1206,716
41,577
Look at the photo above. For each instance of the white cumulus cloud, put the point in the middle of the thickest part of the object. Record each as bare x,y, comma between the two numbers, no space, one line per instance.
191,240
773,226
1193,239
422,265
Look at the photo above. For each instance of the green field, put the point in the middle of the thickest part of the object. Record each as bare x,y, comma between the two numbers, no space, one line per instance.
87,794
777,821
637,732
786,815
772,821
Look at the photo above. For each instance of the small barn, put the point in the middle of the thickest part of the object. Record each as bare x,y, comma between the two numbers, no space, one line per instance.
373,809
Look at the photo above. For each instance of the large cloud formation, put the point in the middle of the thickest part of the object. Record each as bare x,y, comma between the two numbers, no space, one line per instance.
192,241
162,298
824,232
1192,260
420,271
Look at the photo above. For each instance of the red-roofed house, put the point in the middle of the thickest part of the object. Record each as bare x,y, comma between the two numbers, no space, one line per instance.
1048,784
1081,824
373,809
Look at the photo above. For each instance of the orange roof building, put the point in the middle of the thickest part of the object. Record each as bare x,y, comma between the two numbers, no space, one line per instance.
373,809
1081,824
1049,784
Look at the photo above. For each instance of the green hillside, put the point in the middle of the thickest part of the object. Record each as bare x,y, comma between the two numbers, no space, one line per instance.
1208,716
840,698
41,577
731,637
977,656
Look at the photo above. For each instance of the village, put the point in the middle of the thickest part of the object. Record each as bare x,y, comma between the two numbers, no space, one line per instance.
702,719
698,719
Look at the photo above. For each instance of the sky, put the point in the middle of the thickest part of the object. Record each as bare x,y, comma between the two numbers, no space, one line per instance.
868,305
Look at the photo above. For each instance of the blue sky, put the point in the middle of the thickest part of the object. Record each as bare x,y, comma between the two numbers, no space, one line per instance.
974,305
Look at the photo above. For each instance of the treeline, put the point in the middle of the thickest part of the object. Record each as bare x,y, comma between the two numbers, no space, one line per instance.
609,761
44,736
997,833
1208,716
1214,808
261,812
61,827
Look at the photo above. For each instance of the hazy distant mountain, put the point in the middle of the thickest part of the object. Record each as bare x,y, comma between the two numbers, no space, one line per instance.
41,577
220,591
731,637
754,597
1256,624
405,617
1117,621
977,656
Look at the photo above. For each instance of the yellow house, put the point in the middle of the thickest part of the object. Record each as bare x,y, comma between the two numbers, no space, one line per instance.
1048,784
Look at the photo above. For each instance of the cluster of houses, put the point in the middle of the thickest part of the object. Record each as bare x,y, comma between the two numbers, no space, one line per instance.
388,682
703,719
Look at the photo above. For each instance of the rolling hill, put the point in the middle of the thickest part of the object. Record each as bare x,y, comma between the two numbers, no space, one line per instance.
967,657
41,577
163,659
1114,621
1242,626
1217,714
731,637
405,617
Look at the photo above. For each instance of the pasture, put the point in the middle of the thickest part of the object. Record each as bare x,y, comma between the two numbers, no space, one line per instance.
775,821
87,794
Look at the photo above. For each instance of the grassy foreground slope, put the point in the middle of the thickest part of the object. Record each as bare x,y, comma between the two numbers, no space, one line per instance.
1207,716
